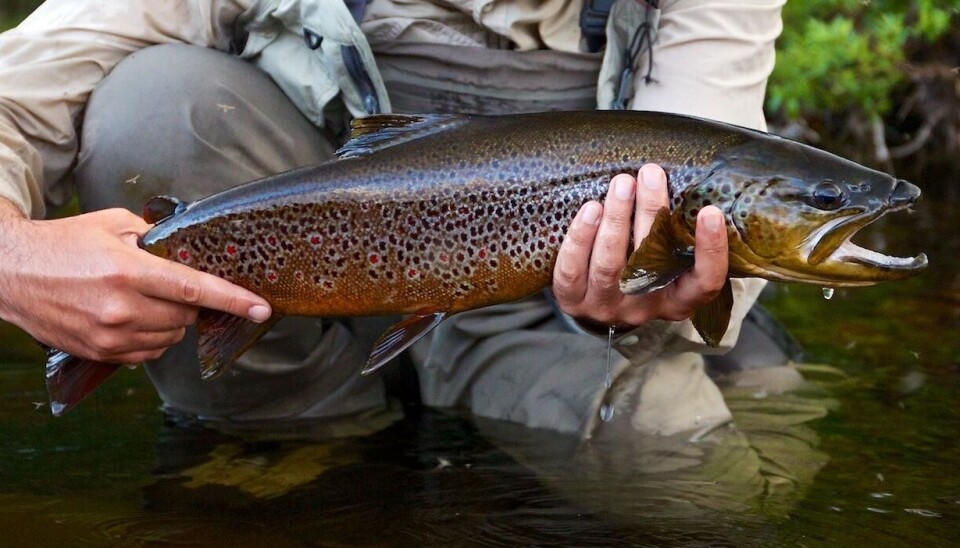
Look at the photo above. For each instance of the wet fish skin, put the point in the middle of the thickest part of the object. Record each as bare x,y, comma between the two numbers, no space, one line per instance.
477,211
432,215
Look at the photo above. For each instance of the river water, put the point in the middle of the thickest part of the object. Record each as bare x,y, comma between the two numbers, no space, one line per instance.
865,452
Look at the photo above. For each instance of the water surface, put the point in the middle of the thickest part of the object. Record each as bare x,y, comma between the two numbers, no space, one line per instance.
866,452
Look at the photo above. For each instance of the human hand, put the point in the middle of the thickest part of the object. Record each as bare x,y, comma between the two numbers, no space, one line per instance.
586,277
82,285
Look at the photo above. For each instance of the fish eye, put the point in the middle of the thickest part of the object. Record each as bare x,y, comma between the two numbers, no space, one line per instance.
827,196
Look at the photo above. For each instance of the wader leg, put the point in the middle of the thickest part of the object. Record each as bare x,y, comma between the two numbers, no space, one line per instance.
189,121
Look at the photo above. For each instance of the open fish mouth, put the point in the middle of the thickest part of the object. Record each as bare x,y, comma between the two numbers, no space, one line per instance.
832,242
849,252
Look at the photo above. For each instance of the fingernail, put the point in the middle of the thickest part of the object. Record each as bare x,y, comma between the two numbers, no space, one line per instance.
713,220
591,214
259,313
623,187
650,178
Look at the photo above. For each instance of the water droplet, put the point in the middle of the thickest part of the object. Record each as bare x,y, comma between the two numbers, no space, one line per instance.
608,380
606,412
828,293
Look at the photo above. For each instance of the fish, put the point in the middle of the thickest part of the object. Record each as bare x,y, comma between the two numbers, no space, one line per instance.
430,215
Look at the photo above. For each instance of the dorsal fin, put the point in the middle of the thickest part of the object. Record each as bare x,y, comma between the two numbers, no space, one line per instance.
159,208
377,132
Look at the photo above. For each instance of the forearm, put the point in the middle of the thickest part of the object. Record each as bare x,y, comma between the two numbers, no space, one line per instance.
12,222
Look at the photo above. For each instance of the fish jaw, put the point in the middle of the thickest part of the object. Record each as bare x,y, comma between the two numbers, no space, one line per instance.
832,249
829,257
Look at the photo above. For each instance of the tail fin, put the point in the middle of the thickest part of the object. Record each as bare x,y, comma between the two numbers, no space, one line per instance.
70,379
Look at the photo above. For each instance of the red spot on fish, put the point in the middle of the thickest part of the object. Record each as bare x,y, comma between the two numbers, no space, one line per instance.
271,276
231,249
374,258
444,258
482,254
553,239
315,240
184,255
272,240
412,273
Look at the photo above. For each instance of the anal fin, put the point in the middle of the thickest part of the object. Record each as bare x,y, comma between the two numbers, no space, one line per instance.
224,337
400,336
712,319
660,259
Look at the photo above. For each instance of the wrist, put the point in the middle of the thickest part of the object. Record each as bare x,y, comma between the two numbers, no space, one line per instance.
12,224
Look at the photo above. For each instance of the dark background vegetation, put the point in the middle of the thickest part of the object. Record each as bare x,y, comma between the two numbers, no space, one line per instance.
874,80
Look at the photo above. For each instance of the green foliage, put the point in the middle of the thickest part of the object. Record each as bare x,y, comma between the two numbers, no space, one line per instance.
848,56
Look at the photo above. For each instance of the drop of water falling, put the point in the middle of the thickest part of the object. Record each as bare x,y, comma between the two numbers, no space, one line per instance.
608,380
606,412
828,293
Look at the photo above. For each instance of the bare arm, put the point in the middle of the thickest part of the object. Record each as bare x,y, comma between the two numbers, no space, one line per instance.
82,285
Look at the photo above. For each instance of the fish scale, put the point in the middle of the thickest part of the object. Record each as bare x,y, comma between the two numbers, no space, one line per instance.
474,222
436,214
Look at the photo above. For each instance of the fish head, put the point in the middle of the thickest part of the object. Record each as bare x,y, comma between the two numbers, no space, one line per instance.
792,210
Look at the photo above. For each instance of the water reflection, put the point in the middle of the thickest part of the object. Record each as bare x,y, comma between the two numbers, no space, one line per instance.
753,469
863,457
435,477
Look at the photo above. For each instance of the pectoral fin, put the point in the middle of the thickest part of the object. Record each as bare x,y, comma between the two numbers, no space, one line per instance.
712,320
224,338
400,336
660,259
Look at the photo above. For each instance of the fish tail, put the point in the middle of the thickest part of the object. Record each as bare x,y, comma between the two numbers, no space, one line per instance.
70,379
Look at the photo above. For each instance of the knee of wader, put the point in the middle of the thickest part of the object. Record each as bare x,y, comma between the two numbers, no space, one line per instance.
142,131
167,120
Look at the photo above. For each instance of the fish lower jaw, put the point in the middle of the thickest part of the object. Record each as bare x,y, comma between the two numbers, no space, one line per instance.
851,253
849,265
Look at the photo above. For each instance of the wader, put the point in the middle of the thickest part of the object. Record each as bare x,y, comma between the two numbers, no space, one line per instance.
188,122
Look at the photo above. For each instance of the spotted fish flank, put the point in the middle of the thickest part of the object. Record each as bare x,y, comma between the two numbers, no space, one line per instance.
437,214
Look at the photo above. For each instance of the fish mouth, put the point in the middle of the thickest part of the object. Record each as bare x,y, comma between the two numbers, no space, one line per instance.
849,252
832,242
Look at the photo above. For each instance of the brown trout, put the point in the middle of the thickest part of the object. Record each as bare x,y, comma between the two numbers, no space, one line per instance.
436,214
